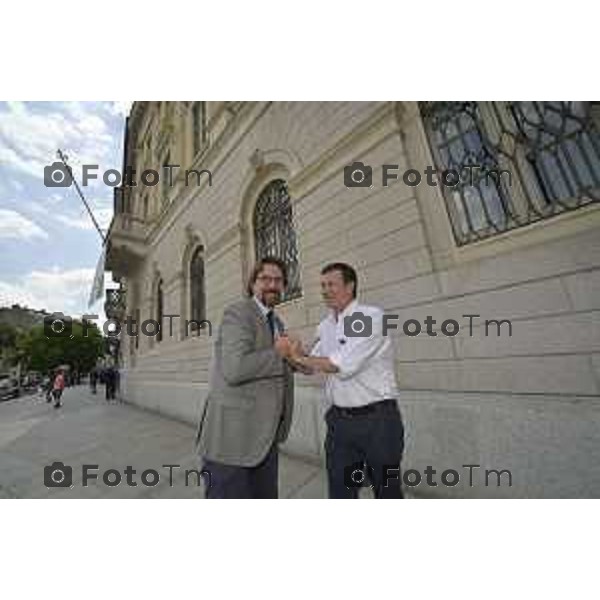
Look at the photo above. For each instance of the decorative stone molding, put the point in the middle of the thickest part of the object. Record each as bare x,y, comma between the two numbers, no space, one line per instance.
266,165
216,154
257,159
155,271
192,236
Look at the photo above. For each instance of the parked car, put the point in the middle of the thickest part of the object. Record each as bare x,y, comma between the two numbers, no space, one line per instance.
9,389
31,381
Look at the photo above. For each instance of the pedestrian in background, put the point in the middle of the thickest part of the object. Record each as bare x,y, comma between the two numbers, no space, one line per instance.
94,380
49,385
117,391
58,387
110,382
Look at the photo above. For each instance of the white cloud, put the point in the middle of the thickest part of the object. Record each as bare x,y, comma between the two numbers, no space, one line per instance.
38,207
80,220
103,216
55,290
77,222
19,187
30,137
14,225
121,107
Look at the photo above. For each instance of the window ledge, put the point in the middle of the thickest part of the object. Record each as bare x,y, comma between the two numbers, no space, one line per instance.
542,231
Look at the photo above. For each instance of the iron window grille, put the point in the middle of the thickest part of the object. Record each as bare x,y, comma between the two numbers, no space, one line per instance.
274,233
159,310
533,160
197,288
114,306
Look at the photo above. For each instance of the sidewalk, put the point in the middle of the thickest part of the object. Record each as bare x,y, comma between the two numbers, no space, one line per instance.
89,430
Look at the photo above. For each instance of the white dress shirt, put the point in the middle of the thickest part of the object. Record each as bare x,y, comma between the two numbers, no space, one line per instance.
366,364
265,310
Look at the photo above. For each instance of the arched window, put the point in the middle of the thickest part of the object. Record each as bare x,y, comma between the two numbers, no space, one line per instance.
159,309
274,233
197,289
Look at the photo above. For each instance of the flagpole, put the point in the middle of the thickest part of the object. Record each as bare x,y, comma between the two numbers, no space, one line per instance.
63,158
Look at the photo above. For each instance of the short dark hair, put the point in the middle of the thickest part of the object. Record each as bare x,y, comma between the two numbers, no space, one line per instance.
259,266
348,274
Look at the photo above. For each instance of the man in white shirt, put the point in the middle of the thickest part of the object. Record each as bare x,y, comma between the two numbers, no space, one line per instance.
365,434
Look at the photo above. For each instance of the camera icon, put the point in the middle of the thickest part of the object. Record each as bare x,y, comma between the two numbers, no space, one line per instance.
358,175
358,325
57,175
58,325
58,475
358,475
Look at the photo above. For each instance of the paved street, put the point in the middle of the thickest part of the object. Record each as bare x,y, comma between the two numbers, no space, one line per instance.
88,430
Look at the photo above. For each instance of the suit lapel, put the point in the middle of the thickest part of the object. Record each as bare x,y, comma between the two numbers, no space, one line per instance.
260,320
258,314
279,324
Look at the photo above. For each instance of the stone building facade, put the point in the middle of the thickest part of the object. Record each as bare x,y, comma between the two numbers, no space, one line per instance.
523,247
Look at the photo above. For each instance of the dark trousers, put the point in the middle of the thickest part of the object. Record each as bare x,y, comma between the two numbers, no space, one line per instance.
231,481
364,449
110,390
57,394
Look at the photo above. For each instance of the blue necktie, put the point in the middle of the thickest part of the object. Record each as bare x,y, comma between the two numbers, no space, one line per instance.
271,321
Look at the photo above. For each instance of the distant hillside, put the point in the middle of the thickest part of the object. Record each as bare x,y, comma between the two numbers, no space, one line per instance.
21,316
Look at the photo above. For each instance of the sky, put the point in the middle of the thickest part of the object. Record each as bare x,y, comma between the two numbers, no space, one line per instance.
49,247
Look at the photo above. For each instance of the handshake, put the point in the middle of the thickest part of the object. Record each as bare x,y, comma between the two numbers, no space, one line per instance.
290,348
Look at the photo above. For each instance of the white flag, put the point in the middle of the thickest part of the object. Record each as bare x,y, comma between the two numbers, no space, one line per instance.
97,290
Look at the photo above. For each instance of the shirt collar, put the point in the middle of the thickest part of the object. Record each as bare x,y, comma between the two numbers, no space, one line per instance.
351,308
265,310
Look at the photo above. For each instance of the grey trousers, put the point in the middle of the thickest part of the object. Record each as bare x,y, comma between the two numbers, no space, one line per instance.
232,481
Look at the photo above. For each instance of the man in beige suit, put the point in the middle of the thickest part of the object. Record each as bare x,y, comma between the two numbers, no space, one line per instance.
248,410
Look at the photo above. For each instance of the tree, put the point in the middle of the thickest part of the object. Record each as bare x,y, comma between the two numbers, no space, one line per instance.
8,341
8,336
42,353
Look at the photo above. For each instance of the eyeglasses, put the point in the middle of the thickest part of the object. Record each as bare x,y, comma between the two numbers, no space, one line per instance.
270,279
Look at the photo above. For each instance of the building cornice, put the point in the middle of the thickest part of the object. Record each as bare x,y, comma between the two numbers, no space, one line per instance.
213,158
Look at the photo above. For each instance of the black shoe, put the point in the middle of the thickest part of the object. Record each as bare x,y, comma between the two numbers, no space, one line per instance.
58,405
